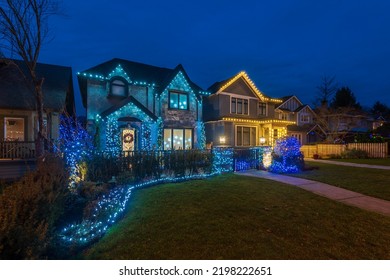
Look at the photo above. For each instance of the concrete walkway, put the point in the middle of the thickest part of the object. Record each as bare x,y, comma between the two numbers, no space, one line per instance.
342,195
349,163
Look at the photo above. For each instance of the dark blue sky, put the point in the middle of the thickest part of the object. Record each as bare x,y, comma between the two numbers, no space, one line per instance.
285,46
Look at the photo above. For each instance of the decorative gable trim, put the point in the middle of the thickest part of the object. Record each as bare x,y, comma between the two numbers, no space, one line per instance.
308,107
179,82
118,71
296,98
130,102
251,84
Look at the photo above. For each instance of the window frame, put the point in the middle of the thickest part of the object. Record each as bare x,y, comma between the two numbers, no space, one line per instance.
239,106
125,86
262,109
241,141
25,123
184,130
179,93
302,120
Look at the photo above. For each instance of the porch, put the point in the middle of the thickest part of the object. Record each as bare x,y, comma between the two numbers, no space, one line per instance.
13,150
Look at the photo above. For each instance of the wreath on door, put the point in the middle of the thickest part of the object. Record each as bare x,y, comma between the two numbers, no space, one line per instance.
128,138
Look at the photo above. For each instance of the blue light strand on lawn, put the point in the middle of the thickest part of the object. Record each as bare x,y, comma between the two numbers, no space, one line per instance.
109,210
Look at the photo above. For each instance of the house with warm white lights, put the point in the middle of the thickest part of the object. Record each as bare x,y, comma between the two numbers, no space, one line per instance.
134,106
238,114
305,129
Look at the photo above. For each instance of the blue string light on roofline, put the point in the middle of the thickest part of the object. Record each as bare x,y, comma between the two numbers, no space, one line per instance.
117,72
113,141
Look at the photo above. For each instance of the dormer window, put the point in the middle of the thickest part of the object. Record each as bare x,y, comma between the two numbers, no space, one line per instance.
118,88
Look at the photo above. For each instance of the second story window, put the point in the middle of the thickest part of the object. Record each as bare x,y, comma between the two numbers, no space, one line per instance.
262,109
239,106
118,88
283,116
178,100
305,118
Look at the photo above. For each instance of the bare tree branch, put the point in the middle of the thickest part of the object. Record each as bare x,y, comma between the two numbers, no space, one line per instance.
23,28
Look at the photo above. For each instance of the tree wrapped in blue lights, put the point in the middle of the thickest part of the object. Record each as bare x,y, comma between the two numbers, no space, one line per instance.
287,157
76,146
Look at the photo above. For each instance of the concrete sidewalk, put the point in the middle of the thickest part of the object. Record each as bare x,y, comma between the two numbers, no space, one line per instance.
349,163
342,195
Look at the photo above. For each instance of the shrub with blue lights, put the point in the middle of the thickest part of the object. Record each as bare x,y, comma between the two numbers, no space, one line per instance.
287,157
76,146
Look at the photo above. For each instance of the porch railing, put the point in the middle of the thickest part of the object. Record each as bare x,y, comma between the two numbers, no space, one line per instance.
17,149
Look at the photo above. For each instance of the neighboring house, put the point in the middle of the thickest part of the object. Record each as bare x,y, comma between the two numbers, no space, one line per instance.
306,130
378,122
238,114
344,126
18,116
134,106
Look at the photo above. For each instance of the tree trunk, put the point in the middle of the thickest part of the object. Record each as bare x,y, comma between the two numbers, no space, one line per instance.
40,140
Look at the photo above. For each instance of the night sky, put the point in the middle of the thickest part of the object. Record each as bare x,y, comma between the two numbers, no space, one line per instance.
285,46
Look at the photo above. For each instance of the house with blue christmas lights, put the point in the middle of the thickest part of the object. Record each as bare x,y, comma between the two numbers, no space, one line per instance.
238,114
134,106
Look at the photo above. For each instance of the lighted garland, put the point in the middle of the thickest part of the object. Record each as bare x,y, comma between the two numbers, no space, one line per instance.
112,137
223,160
202,135
109,209
160,133
146,142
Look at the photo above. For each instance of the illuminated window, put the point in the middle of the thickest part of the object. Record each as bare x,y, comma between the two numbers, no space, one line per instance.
118,88
167,139
245,136
239,106
188,138
14,129
177,139
262,109
178,100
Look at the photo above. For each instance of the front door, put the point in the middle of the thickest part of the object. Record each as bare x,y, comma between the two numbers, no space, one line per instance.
128,139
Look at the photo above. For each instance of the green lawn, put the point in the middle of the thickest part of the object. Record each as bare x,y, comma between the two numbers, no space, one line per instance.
237,217
372,161
372,182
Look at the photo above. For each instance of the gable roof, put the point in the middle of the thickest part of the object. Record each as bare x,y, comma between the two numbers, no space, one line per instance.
138,73
300,108
219,87
16,92
287,98
126,101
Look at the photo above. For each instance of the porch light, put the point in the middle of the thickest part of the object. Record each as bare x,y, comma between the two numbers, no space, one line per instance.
262,141
222,140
